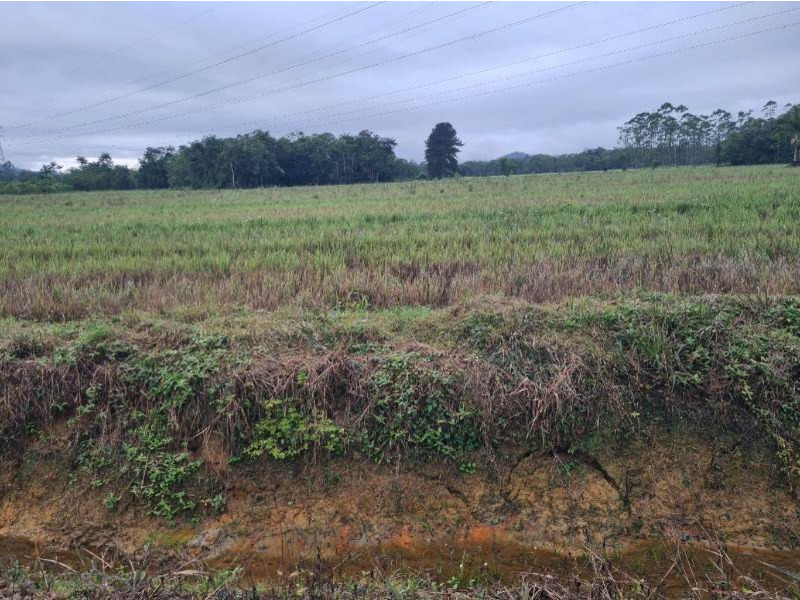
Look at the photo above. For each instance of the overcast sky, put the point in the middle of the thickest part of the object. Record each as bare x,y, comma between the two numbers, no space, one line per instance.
83,78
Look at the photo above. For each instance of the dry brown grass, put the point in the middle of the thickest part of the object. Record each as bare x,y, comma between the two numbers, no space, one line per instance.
534,238
593,577
63,297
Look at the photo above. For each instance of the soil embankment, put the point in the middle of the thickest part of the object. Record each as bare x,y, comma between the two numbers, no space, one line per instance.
351,517
499,437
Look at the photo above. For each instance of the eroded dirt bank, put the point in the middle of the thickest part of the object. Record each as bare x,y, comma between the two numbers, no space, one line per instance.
504,434
541,511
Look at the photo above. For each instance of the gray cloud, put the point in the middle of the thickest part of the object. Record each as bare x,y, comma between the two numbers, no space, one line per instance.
58,57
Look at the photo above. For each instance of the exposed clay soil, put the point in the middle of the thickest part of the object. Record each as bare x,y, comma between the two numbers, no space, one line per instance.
354,515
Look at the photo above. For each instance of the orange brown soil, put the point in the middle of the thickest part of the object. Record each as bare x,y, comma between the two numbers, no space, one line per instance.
353,515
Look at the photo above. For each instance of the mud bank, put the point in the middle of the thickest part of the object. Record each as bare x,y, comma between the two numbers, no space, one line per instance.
542,513
501,437
477,558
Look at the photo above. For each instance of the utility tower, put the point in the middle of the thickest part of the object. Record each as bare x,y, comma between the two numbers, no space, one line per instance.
2,154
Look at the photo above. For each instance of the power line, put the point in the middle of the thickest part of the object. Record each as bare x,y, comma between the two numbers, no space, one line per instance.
261,76
583,60
538,57
280,32
601,68
318,80
584,72
130,45
210,56
486,70
594,69
196,71
422,28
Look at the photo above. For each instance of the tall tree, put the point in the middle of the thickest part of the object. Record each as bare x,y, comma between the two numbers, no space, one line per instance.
508,166
50,169
153,167
441,151
99,175
787,129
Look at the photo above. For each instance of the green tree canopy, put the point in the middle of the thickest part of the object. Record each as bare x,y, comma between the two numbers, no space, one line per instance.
102,174
441,151
508,166
153,167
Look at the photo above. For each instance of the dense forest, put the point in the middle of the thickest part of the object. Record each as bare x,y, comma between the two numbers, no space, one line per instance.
254,159
673,136
668,136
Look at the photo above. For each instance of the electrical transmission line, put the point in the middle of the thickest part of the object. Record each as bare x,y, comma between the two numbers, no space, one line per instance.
577,73
462,88
127,46
285,117
597,69
393,59
584,60
192,72
190,63
279,70
555,78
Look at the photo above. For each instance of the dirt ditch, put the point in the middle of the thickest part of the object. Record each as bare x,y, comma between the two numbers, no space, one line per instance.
671,499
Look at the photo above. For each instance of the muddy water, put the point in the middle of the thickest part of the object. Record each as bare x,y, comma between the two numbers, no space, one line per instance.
27,552
675,567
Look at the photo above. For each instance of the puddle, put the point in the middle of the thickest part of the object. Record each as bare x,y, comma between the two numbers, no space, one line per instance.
480,556
26,551
483,553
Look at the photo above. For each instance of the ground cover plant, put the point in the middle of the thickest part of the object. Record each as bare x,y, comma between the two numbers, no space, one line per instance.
435,243
140,396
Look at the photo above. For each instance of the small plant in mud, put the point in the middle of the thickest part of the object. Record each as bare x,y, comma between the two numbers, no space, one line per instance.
148,454
471,574
146,466
568,468
468,468
163,475
330,477
216,503
402,590
159,474
175,376
284,432
111,500
416,410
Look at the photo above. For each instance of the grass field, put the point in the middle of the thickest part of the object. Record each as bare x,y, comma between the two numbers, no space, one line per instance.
536,238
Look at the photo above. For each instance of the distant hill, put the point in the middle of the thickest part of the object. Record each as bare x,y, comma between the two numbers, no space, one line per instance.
516,155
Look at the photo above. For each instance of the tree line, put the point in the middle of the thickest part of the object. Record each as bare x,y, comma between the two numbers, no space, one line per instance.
673,136
255,159
591,159
668,136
